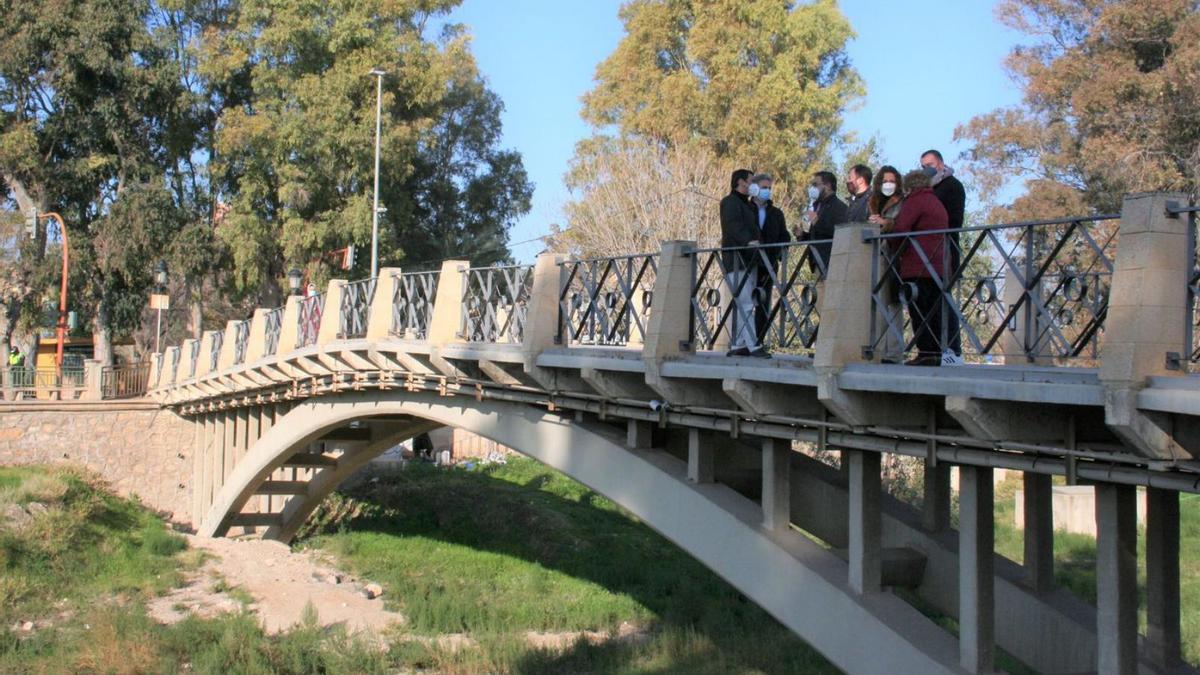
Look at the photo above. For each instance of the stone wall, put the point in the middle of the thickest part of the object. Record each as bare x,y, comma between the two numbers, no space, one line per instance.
133,445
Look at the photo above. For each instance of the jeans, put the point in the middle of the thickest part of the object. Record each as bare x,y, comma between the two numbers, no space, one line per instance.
741,323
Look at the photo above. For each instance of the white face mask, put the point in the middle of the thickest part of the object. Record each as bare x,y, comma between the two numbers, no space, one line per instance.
753,190
814,192
888,189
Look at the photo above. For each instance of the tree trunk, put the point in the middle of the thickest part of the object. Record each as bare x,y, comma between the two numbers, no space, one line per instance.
102,337
195,311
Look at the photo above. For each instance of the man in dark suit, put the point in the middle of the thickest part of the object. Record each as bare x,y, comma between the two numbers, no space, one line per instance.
739,229
773,225
826,214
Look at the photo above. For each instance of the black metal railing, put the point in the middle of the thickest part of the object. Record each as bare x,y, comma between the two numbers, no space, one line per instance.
273,325
1188,358
309,324
214,352
494,304
194,358
606,301
355,309
173,359
127,381
1043,284
412,304
159,360
241,337
757,296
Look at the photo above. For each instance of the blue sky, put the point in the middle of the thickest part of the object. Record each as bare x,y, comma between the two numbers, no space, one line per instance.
927,67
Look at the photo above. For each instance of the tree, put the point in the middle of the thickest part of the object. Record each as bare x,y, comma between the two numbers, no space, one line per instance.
294,161
1111,106
761,83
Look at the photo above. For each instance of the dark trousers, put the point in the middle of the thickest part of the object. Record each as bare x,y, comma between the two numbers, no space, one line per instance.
925,312
952,331
762,303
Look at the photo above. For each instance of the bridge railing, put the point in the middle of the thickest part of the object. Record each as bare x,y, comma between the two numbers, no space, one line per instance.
355,308
272,327
193,359
23,382
412,304
494,303
309,326
1188,358
606,301
241,337
214,352
782,283
127,381
1036,289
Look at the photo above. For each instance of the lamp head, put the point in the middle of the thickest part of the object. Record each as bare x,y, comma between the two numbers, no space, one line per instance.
160,273
294,277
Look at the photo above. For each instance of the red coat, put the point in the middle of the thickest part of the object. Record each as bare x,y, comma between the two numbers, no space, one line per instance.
921,210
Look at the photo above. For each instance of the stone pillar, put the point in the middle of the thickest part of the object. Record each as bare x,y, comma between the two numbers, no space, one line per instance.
976,544
1146,320
701,464
446,322
1116,578
197,480
93,377
668,331
865,521
935,506
289,326
379,321
1039,531
229,450
776,484
541,318
184,371
256,344
204,364
228,346
331,313
1162,577
216,457
638,434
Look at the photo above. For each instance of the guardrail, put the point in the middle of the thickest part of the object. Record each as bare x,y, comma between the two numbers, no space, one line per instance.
309,325
128,381
412,304
1189,356
193,359
605,301
494,303
762,295
355,309
241,336
20,382
214,351
1049,280
273,325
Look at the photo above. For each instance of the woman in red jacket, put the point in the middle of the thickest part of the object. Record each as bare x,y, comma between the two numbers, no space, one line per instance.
923,211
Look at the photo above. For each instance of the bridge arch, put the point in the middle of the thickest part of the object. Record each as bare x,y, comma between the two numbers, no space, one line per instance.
786,575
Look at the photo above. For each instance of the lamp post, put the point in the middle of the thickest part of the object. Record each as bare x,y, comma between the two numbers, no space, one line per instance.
375,210
294,277
160,280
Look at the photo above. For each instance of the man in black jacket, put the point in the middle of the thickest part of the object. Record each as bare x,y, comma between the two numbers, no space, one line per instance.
826,214
773,224
951,193
739,228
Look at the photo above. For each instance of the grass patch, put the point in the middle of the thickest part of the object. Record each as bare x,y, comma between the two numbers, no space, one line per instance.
518,547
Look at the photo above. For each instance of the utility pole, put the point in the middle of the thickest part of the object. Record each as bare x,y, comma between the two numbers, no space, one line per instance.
375,210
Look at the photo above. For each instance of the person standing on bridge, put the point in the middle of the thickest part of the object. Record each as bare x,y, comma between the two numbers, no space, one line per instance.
858,186
884,206
920,258
826,214
740,230
773,225
951,193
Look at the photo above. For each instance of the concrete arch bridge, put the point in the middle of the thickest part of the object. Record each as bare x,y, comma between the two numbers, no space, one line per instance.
1078,341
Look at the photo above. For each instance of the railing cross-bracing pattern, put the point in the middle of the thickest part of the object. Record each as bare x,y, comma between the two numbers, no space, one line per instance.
241,337
214,354
273,323
1045,284
495,300
606,301
777,284
356,306
412,304
127,381
194,359
311,308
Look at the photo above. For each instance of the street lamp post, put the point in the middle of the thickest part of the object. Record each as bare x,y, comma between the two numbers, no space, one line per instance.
160,279
375,210
294,277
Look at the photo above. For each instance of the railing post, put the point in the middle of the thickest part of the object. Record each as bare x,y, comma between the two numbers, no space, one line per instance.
204,361
331,313
289,326
668,330
447,313
1147,313
93,374
379,320
228,346
541,319
256,344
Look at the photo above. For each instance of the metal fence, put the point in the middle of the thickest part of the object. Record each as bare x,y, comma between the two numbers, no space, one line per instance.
762,295
241,337
214,351
309,325
1032,290
606,301
1188,358
21,382
127,381
273,324
495,301
412,304
194,358
355,309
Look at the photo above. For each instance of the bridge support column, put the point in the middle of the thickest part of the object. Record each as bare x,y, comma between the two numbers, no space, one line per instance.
1162,577
976,544
701,457
935,504
197,470
776,483
865,521
216,457
1116,578
1039,531
638,434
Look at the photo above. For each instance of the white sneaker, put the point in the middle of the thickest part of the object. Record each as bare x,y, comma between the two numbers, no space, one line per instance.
951,359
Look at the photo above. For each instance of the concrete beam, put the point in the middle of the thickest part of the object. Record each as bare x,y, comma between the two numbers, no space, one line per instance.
976,593
701,456
1007,421
763,398
866,571
638,434
1163,641
615,384
935,504
1116,578
1039,531
776,484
